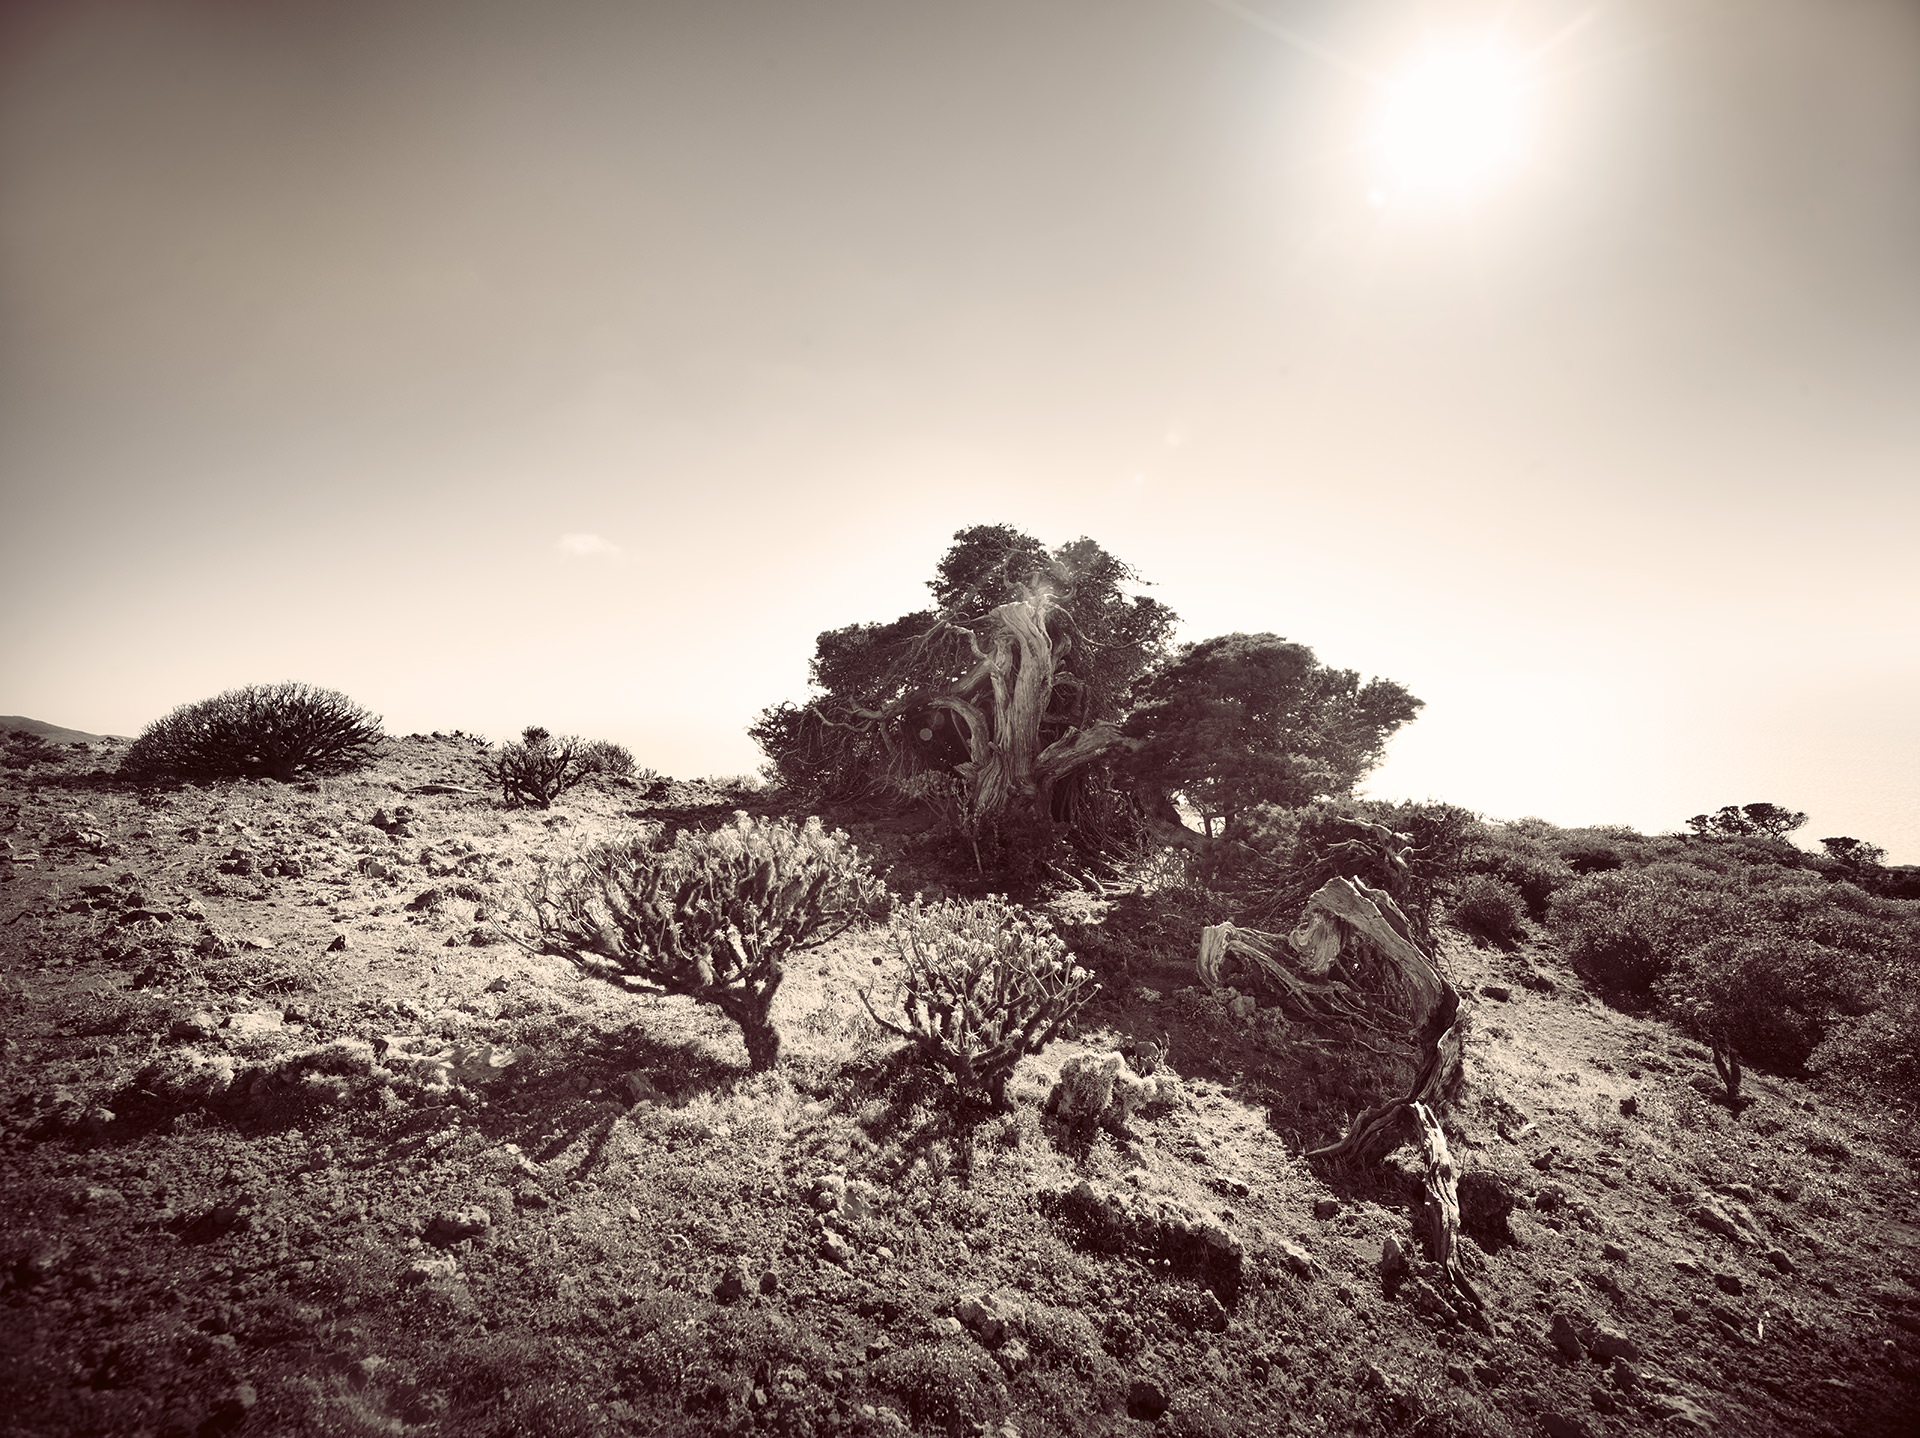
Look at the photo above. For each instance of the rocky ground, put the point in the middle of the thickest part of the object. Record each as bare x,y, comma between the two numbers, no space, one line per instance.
297,1142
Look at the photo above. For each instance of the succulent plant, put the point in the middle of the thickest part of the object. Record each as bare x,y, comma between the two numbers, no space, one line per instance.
986,983
714,917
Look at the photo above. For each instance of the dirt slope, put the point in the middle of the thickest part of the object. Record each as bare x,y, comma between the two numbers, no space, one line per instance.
295,1143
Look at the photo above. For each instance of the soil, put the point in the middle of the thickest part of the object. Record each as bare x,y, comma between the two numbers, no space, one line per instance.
299,1142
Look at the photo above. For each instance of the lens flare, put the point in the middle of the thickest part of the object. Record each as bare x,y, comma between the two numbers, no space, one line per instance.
1452,123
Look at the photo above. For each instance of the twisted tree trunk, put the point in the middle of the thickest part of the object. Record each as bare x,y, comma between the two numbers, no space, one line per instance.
1352,960
753,1012
1442,1201
1007,769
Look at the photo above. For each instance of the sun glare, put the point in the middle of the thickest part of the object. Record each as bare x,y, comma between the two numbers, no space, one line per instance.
1451,123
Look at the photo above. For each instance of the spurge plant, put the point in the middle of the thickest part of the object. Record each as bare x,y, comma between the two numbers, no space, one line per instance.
276,731
986,983
713,918
539,768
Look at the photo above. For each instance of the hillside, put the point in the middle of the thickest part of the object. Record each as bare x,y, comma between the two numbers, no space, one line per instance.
52,733
297,1143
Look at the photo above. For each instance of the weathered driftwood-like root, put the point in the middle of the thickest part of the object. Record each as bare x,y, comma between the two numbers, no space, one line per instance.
1304,993
1353,959
1379,1130
1443,1202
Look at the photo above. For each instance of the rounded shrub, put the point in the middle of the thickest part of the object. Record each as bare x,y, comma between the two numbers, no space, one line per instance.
1523,862
272,731
1623,930
602,756
1880,1049
1490,910
1769,996
20,749
1590,857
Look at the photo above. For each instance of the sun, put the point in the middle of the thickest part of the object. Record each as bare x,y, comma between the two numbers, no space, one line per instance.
1452,123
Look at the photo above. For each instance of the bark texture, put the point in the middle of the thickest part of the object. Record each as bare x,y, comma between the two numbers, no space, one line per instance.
1442,1201
1352,960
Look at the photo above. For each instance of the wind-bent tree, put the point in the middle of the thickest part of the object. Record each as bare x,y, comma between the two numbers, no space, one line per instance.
1854,853
1244,719
1769,821
1035,672
998,697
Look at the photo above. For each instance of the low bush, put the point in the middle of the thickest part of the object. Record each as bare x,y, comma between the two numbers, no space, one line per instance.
986,983
1737,856
714,918
602,756
1524,861
1622,930
22,749
1768,996
1881,1048
275,731
539,768
1490,910
1590,857
1413,851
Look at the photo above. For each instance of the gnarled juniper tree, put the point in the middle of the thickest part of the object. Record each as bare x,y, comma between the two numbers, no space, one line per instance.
1000,695
1039,691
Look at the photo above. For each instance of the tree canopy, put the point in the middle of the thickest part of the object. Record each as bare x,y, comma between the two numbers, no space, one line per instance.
1769,821
1244,719
1012,683
1854,853
1037,669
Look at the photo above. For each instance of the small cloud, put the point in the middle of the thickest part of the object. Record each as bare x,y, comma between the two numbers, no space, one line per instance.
585,544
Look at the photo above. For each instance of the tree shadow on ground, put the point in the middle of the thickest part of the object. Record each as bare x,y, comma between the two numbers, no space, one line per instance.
698,807
922,1114
557,1103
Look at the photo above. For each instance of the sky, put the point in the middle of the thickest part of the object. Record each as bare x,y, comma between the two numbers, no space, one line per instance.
578,363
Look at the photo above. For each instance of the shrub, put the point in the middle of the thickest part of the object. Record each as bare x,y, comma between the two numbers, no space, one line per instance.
538,769
1767,996
1741,855
987,982
1413,851
1490,910
601,756
1588,857
22,749
713,918
1623,929
275,731
1881,1048
1524,861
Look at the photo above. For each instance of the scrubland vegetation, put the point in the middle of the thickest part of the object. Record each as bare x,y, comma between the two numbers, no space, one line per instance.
279,731
886,1095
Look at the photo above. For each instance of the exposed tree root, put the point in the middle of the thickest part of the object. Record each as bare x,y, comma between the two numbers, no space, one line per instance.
1443,1202
1352,961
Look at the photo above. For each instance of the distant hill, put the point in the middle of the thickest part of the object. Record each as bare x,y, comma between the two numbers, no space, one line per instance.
52,733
